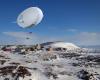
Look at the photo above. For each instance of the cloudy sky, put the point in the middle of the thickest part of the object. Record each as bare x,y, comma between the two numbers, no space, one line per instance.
75,21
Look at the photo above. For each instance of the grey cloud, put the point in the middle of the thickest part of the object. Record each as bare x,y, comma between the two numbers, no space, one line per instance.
81,38
72,30
85,38
21,37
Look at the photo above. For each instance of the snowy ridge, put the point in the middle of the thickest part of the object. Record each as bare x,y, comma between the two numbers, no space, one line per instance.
69,46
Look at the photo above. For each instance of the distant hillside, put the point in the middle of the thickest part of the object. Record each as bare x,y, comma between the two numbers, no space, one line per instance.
60,45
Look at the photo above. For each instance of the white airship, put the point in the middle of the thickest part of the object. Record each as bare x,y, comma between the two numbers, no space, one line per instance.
30,17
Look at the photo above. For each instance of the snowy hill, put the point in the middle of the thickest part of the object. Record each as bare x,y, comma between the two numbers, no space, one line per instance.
27,63
68,46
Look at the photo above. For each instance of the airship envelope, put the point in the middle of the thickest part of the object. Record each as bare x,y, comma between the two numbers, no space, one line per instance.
30,17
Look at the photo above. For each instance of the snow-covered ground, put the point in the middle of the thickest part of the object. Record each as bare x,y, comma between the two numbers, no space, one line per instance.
49,65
